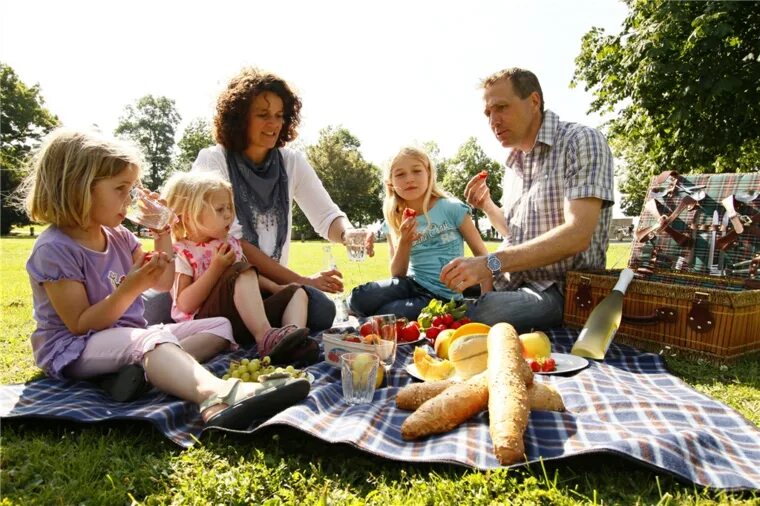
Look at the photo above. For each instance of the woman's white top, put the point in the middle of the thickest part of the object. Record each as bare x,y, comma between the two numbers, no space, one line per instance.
304,186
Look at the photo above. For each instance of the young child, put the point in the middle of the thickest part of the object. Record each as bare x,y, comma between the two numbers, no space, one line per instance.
87,273
213,278
427,228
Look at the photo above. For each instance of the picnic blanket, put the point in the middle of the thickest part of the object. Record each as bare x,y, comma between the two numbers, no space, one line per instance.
629,405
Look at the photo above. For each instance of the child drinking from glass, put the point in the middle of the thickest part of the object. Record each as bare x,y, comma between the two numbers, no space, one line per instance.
213,278
87,273
427,230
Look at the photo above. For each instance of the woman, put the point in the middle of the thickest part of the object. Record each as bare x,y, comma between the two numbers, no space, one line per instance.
256,116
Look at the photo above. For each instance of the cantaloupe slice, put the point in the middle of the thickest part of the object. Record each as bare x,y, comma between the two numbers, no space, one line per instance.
431,369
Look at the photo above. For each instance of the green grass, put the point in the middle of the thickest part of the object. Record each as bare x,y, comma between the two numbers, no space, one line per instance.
52,462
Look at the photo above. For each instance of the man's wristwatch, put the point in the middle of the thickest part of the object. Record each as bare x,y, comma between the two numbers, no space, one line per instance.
494,264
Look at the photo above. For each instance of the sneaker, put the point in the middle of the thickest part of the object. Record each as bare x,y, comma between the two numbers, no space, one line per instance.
278,342
127,384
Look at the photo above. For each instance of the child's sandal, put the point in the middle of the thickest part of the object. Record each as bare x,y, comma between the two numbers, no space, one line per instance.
278,342
243,409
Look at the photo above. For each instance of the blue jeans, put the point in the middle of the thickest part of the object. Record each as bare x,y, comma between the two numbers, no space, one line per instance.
320,315
525,309
321,310
399,296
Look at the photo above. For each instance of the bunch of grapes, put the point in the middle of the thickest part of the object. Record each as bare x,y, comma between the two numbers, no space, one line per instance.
250,370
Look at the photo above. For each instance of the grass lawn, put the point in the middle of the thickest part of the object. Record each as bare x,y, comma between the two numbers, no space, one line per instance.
50,462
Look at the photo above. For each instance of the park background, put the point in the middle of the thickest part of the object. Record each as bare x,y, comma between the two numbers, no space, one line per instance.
674,85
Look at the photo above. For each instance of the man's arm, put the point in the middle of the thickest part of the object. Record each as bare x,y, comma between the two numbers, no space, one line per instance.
566,240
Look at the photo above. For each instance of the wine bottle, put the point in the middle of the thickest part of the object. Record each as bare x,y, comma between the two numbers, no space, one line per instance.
603,322
341,306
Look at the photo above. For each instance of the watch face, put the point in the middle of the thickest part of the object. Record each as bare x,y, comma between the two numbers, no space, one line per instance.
493,263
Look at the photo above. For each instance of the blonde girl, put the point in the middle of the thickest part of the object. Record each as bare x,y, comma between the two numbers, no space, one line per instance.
87,273
427,228
213,278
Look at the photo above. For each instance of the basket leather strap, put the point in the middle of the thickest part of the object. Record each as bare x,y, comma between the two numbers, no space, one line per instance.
664,222
727,240
728,203
700,317
660,314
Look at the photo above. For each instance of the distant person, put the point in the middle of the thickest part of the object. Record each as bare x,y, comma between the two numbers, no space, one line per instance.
426,229
212,277
556,207
256,116
87,273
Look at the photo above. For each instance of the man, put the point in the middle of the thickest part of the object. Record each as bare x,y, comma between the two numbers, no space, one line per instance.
556,207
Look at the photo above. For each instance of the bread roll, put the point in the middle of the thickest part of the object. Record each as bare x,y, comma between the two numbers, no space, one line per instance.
469,354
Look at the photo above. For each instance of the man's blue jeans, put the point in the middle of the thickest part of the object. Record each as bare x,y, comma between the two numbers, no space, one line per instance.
525,309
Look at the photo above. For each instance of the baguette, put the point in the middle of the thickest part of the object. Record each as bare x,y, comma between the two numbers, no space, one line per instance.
455,405
541,397
508,395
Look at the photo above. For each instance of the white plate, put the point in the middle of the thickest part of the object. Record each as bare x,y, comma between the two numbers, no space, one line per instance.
566,363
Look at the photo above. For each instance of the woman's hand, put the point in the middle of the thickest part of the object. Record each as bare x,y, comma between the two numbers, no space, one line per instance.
327,281
224,256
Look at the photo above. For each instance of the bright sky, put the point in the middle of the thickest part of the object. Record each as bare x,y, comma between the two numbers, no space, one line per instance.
393,72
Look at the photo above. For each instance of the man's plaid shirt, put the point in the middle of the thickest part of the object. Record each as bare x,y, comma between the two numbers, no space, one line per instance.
568,161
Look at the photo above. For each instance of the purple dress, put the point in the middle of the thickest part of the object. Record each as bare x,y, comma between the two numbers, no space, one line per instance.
56,256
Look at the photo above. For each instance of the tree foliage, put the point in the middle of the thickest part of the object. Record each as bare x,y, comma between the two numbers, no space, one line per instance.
196,136
469,160
24,120
152,123
352,182
683,82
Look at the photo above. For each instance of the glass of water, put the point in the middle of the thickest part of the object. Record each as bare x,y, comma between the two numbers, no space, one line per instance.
358,372
149,212
384,325
356,244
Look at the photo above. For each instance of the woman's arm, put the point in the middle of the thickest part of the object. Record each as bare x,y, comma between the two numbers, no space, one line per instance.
473,239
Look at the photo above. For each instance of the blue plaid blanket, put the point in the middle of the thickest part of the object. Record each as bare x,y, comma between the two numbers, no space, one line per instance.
628,405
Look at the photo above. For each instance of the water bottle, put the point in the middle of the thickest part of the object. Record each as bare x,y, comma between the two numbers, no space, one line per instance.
341,307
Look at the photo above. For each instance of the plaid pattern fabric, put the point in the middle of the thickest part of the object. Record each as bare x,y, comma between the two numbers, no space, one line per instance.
697,224
569,161
629,406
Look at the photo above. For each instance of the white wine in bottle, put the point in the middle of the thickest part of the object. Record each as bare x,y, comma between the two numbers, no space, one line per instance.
603,321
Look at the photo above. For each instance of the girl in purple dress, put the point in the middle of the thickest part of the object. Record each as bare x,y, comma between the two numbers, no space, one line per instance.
87,273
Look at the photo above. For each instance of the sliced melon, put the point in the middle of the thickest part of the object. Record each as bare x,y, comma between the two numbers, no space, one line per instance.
431,369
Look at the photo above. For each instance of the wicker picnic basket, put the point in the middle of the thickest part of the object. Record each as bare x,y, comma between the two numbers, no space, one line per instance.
696,290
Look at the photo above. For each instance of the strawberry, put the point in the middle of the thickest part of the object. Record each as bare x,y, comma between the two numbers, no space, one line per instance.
549,365
448,319
432,333
534,366
409,213
438,321
455,325
464,320
365,329
409,333
483,174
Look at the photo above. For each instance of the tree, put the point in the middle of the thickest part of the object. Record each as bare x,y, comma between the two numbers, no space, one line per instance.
683,82
196,136
352,182
434,153
23,122
152,123
469,160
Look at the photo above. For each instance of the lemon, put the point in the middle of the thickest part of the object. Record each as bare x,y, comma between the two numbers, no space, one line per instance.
442,343
471,328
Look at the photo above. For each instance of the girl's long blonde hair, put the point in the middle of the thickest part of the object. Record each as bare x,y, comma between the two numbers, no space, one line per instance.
58,188
187,193
393,205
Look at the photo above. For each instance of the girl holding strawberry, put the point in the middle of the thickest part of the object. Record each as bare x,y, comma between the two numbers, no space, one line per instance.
426,229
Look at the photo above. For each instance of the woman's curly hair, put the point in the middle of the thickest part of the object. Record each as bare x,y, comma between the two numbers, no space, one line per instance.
234,104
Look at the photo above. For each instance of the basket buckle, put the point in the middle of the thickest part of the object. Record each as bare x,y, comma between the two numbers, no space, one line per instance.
701,318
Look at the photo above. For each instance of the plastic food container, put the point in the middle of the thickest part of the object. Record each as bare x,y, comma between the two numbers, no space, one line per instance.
336,345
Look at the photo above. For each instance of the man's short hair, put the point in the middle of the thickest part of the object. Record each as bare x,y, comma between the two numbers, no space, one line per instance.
523,81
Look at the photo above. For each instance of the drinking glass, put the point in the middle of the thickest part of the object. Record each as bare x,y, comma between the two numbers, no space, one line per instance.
356,244
149,212
358,372
384,325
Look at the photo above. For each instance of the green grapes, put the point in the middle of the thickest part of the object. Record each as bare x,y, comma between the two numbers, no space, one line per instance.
250,370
